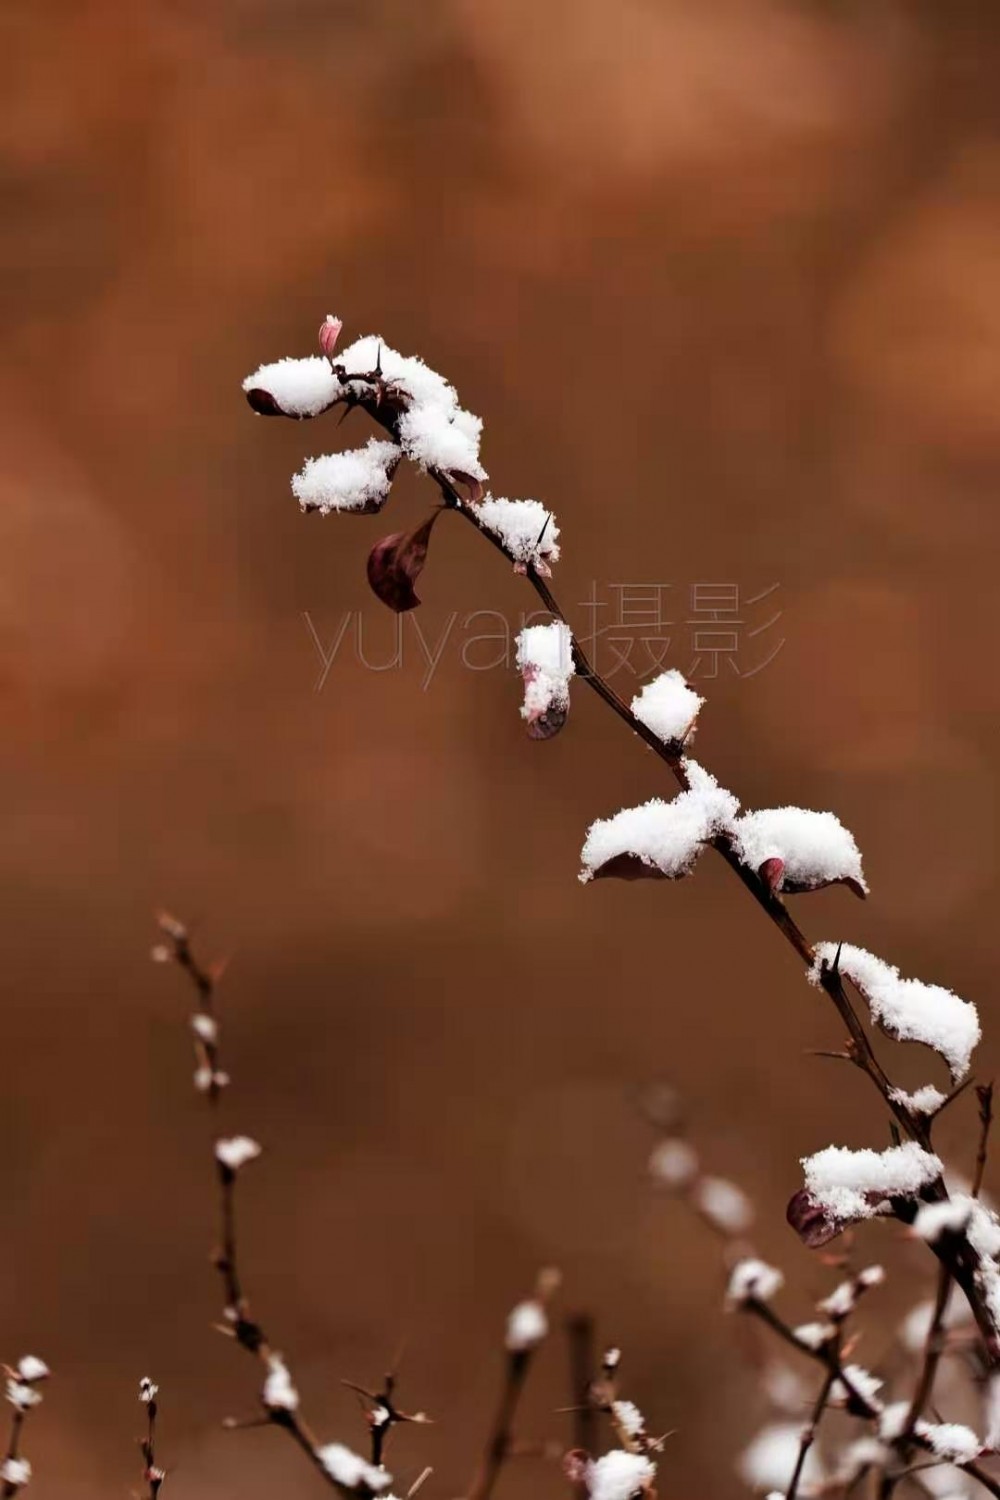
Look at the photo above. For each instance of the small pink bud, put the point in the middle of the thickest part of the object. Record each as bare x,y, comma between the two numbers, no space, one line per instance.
329,333
396,562
771,872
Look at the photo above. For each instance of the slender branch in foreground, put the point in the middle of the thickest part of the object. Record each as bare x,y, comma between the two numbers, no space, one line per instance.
15,1470
338,1466
580,1341
387,404
23,1396
857,1404
527,1327
984,1097
152,1475
809,1433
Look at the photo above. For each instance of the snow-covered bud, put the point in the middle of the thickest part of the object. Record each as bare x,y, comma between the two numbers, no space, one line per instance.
753,1280
673,1164
205,1028
628,1419
15,1472
31,1368
857,1392
815,1335
527,1325
22,1396
279,1394
726,1206
148,1392
351,1472
545,661
206,1079
160,953
795,849
668,707
236,1151
172,926
619,1476
936,1220
329,333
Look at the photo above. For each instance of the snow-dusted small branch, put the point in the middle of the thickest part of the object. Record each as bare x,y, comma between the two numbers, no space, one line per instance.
23,1383
152,1474
527,1328
340,1468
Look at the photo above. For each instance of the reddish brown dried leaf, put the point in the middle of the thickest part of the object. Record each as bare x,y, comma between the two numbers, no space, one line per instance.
396,562
811,1221
549,723
263,403
628,867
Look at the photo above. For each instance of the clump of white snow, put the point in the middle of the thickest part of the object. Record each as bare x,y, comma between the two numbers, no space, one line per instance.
619,1475
769,1461
668,707
279,1393
628,1418
355,480
753,1280
673,1163
527,1326
236,1150
908,1009
936,1219
815,848
351,1472
726,1206
299,387
857,1383
852,1185
924,1101
545,661
442,436
660,838
527,531
815,1335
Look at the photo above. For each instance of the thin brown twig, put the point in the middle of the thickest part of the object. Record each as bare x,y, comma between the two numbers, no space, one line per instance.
498,1444
858,1404
385,404
12,1455
984,1097
809,1433
238,1322
153,1475
580,1342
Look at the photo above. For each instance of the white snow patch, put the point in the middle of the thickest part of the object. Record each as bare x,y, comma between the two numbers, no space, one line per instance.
907,1008
815,847
356,480
527,530
667,706
350,1471
666,836
619,1475
852,1185
753,1280
301,387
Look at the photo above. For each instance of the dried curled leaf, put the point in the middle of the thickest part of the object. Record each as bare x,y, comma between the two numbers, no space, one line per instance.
811,1221
263,403
396,562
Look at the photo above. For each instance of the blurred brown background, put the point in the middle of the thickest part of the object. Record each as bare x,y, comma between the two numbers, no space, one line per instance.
723,280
